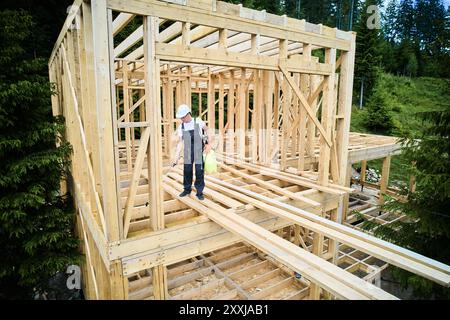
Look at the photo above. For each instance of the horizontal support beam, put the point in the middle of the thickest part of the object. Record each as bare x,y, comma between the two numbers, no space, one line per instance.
177,53
219,20
373,153
210,241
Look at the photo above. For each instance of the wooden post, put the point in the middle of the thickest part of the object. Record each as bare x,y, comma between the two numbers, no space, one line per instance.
170,110
240,117
286,107
223,36
317,249
221,113
344,109
230,115
256,116
153,113
268,101
384,178
126,109
104,105
185,34
230,106
363,174
305,88
311,129
348,178
160,282
327,117
211,103
154,155
117,281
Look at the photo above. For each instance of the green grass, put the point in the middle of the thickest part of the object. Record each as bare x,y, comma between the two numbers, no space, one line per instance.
407,97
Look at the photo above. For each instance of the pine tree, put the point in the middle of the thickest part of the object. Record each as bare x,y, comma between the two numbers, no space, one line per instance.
367,56
390,30
291,8
427,228
406,20
377,116
319,12
36,236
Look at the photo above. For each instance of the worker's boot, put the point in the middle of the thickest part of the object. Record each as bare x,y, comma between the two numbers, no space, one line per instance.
185,193
200,196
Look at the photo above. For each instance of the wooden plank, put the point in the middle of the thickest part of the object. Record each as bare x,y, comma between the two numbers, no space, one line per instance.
137,171
240,116
285,176
269,185
121,21
198,291
268,107
384,179
89,259
211,104
327,119
228,281
178,53
333,230
117,281
221,113
273,288
296,258
186,278
92,226
307,91
344,106
160,282
82,138
261,278
249,269
126,110
153,114
174,271
362,178
299,295
103,104
229,295
372,153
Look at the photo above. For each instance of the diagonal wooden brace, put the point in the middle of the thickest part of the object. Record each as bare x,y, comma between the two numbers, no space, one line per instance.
304,102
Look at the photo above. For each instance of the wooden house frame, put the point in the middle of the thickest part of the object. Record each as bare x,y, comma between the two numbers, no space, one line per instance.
260,81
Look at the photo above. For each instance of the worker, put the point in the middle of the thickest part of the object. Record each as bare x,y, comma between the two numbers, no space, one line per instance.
191,135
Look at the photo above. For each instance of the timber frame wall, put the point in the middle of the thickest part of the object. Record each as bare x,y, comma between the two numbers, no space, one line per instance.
260,88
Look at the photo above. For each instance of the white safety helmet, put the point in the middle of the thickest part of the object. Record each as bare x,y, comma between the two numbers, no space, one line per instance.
183,110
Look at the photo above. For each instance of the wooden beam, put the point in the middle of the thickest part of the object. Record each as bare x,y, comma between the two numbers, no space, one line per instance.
304,102
336,231
327,118
217,19
349,285
153,115
269,186
384,179
179,53
102,61
137,171
344,108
